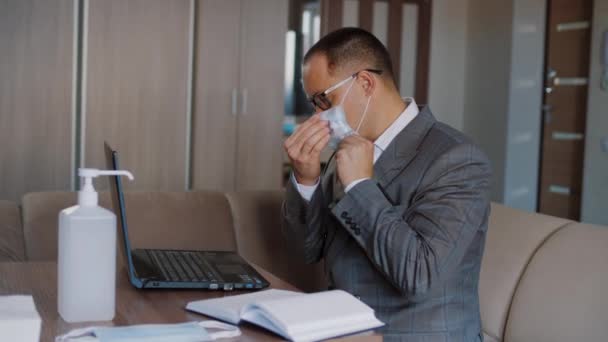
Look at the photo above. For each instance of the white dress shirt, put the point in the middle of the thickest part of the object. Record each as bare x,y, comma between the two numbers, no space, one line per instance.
410,112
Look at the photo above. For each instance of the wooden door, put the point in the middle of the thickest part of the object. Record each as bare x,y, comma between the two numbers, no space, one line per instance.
565,107
36,117
216,93
259,152
136,72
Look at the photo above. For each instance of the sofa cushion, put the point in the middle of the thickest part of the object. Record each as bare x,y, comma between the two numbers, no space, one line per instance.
40,212
562,295
178,220
513,237
12,247
257,220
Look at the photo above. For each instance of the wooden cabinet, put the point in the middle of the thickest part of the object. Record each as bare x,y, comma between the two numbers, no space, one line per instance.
135,73
239,102
216,90
190,92
36,117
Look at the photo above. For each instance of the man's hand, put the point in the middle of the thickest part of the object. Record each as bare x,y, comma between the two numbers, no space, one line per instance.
304,148
355,159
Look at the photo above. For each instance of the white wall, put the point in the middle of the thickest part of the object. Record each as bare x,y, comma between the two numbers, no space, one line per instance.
595,176
448,60
525,101
487,82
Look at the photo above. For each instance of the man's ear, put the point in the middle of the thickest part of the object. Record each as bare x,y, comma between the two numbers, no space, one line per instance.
368,82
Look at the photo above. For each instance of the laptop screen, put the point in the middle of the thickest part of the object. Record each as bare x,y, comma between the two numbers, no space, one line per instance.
118,204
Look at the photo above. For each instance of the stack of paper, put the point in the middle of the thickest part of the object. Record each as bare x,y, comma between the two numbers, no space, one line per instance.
19,320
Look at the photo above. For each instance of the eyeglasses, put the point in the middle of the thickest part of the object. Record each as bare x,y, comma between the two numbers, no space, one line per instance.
321,101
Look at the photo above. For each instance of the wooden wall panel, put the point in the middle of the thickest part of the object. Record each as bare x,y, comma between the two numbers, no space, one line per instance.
216,94
136,86
366,14
260,136
35,96
331,15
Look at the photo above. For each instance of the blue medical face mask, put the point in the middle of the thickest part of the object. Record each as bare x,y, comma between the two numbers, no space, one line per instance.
183,332
338,125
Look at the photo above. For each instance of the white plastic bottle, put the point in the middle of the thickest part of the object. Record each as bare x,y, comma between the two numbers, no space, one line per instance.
86,274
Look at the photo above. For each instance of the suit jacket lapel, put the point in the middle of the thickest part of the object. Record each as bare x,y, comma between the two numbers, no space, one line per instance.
400,152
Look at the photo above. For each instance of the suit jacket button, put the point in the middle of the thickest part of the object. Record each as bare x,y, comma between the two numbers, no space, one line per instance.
344,215
357,231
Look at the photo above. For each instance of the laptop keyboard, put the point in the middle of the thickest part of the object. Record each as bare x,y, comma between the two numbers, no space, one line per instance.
183,266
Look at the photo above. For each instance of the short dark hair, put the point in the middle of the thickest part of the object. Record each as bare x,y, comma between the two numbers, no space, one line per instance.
352,44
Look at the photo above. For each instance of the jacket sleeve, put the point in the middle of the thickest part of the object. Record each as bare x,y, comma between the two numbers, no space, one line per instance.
303,223
414,244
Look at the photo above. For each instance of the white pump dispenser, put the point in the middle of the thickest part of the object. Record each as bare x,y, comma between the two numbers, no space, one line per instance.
87,255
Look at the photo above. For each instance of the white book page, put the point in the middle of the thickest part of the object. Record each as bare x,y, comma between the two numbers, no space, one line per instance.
322,315
230,308
253,314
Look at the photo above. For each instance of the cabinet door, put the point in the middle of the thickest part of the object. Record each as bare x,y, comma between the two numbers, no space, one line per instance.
36,48
216,95
264,25
136,72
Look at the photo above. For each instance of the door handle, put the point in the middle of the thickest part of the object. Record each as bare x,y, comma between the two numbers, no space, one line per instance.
234,96
551,73
244,100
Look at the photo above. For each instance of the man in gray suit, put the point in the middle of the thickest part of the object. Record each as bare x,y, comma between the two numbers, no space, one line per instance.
400,213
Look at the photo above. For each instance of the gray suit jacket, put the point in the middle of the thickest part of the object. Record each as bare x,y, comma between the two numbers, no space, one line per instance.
409,241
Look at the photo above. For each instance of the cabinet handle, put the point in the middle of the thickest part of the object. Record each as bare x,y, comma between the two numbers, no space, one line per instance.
244,102
234,95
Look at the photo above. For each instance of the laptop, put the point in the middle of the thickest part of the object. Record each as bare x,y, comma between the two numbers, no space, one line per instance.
183,269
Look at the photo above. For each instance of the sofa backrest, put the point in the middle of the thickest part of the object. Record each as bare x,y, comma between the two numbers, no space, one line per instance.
181,220
40,213
512,240
12,246
257,224
562,295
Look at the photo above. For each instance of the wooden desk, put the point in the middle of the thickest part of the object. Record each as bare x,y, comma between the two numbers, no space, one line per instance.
133,306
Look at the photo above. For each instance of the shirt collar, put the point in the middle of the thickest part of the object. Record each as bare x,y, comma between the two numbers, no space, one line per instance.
398,125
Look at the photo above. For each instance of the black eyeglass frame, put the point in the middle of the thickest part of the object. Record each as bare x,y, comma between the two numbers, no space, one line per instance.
321,101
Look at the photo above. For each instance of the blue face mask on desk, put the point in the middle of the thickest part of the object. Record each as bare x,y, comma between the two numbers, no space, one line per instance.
183,332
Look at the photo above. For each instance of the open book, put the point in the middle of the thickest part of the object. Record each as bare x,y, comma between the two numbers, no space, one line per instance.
295,316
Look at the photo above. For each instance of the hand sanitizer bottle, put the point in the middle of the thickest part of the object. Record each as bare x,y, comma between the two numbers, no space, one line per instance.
86,274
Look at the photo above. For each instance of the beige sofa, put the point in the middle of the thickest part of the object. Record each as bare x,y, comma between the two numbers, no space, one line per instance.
542,278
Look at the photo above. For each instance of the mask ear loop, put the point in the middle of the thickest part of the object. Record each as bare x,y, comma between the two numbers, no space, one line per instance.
347,90
364,114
